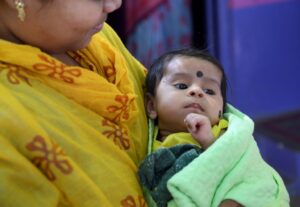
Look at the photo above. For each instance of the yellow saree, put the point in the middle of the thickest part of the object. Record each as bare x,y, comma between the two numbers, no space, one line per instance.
71,136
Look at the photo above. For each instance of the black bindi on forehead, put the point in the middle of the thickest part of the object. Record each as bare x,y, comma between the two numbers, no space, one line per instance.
199,74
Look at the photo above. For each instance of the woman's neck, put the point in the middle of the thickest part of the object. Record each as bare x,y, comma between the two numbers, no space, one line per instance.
65,58
8,36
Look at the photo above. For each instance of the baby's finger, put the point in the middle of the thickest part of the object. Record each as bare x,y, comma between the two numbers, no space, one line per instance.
190,124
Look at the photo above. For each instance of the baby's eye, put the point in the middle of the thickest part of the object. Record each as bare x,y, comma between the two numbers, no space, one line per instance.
181,86
209,91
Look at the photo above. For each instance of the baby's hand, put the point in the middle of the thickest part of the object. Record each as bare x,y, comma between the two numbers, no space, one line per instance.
200,128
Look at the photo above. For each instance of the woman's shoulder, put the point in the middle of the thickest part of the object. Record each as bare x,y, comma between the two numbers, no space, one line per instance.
110,35
135,69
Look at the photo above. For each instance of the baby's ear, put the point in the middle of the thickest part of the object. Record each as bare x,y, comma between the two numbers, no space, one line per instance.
150,106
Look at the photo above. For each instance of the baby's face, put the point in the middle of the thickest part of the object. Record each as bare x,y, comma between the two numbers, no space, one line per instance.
189,85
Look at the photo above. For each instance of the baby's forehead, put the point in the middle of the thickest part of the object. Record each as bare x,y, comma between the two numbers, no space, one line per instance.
194,66
187,61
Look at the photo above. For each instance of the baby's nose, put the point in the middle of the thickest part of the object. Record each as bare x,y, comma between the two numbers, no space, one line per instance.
196,92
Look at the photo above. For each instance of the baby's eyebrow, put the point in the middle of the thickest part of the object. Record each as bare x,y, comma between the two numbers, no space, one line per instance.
178,76
181,75
211,79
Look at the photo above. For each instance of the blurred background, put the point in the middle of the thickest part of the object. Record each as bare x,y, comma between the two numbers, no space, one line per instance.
257,41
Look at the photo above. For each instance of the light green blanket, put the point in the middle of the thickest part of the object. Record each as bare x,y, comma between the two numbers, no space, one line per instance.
232,168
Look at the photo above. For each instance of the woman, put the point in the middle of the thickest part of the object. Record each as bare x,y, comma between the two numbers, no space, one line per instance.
72,120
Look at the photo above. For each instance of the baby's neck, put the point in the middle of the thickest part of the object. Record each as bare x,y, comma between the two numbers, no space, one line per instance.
162,134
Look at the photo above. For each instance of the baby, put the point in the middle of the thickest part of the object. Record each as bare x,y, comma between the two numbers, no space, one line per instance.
186,92
186,96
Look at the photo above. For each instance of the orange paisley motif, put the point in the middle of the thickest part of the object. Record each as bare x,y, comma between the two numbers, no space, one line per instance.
117,134
121,111
56,70
129,201
110,73
15,74
48,157
83,61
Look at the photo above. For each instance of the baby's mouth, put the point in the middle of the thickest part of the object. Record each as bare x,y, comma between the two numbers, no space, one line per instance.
195,106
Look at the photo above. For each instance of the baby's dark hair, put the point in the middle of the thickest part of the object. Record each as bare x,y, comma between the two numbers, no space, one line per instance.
157,69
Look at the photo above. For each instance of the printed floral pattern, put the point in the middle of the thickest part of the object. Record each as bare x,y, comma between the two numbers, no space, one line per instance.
15,74
56,70
81,60
110,73
117,134
48,157
129,201
122,110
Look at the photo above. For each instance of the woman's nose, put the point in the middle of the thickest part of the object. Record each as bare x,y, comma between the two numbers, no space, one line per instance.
196,92
111,5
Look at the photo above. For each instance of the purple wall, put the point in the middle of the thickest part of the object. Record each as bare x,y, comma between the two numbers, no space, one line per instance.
258,42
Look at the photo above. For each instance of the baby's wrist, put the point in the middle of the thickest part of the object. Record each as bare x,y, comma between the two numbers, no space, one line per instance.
207,143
